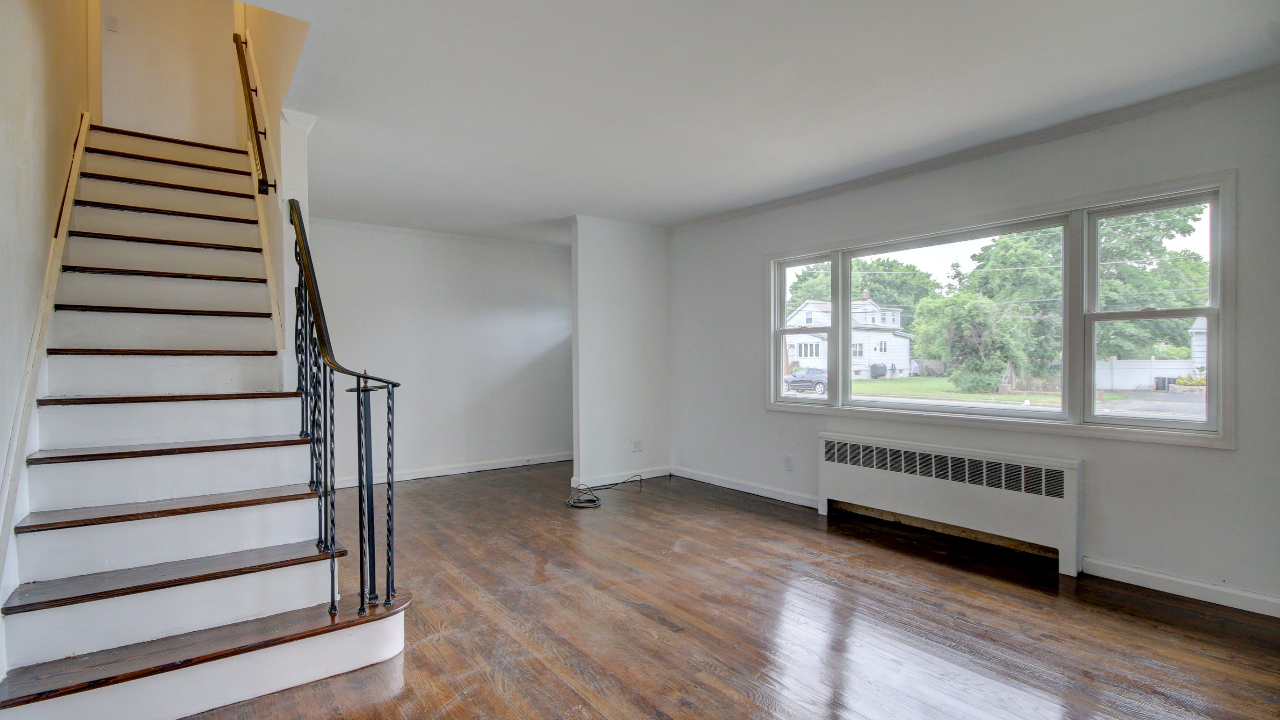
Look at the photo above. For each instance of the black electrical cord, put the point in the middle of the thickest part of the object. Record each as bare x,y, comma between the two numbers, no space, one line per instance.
583,497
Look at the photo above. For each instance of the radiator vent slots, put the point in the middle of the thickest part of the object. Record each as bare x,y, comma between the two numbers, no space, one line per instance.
1048,482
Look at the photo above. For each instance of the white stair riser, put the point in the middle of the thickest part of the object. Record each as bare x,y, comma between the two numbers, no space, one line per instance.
190,690
150,196
97,548
165,227
69,426
178,175
113,482
93,252
173,293
76,329
55,633
142,375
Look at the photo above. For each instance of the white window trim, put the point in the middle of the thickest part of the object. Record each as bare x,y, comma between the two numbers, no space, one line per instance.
1072,420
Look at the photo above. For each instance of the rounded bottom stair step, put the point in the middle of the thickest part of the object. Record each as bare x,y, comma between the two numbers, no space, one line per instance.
185,674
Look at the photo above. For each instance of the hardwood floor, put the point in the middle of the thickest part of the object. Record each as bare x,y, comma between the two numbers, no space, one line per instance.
684,600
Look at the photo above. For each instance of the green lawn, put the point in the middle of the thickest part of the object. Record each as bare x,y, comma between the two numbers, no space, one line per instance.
942,389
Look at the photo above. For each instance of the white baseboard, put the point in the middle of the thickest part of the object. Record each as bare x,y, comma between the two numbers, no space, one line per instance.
347,481
746,487
611,478
1186,587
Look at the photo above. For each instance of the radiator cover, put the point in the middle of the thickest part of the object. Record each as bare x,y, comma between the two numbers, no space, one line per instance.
1033,499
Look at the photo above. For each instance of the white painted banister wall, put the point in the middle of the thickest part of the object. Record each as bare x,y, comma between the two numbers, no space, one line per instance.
621,358
42,49
1196,521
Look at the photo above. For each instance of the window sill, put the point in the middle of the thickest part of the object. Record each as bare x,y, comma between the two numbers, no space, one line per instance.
1192,438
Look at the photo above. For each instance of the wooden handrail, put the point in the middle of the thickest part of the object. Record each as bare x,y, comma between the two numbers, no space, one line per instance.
259,158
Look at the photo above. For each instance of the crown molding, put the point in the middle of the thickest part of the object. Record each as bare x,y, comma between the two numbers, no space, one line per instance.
1190,96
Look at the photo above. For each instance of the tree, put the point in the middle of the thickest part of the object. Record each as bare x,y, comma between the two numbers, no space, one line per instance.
892,284
964,331
1136,270
1022,274
812,283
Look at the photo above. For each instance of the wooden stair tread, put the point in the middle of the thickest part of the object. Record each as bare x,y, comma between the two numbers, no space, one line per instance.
33,683
46,594
168,186
129,399
116,452
158,352
127,512
164,211
165,161
160,311
162,138
162,241
158,274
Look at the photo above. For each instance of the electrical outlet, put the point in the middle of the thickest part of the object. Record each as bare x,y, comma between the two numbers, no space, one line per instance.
788,463
112,24
637,446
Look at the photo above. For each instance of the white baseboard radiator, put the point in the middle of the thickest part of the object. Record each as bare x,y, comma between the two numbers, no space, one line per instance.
1032,499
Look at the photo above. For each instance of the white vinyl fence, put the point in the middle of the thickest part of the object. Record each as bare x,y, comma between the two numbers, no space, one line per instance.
1138,374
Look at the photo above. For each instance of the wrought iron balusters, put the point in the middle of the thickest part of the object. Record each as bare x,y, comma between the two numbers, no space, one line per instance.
316,373
391,504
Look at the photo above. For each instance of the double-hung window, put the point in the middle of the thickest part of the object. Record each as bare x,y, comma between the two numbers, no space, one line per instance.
1106,318
806,285
1153,305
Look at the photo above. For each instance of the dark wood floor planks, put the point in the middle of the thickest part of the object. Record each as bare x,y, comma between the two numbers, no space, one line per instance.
683,600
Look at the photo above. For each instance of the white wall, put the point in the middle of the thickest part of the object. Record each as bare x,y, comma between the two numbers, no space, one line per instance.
170,69
276,43
1193,520
621,351
42,51
477,331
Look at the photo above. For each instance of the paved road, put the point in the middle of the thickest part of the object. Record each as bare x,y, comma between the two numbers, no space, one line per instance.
1142,403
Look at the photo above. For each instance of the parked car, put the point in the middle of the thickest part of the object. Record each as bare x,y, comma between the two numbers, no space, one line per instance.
802,379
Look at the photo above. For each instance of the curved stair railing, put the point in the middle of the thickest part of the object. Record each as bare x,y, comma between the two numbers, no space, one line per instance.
317,367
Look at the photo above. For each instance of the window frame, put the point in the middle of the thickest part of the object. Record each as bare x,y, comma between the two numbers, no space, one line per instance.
778,319
1079,277
1211,311
848,401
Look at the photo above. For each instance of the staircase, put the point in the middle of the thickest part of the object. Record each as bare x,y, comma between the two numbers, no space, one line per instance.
167,548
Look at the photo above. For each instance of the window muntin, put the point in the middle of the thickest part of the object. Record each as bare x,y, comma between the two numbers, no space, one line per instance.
984,313
1089,312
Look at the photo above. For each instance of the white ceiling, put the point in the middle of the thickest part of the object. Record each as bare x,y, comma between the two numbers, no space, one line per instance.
503,118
